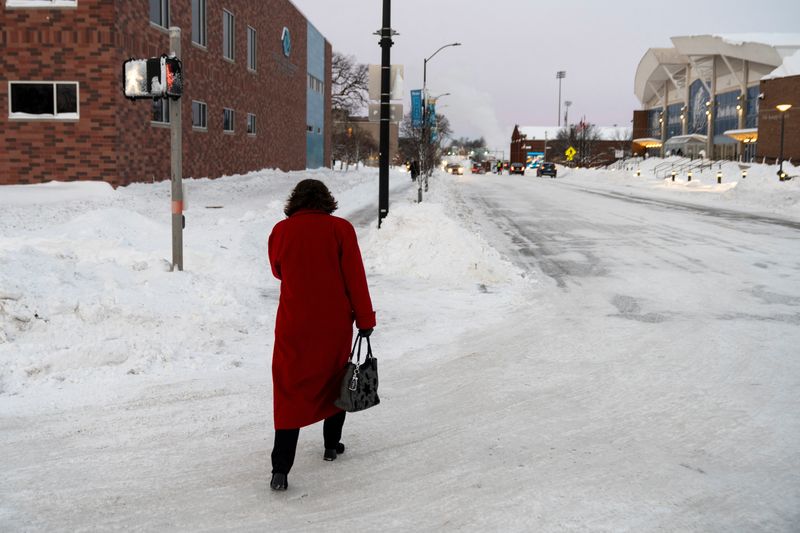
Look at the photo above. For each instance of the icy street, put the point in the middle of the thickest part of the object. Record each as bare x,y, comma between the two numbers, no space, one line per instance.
579,354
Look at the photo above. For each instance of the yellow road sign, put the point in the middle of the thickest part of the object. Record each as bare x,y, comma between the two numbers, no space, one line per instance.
570,153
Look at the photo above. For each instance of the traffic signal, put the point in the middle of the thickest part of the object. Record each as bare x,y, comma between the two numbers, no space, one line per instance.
156,77
174,76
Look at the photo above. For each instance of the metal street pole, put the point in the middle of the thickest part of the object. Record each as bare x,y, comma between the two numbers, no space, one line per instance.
783,108
560,75
386,68
780,169
176,141
425,141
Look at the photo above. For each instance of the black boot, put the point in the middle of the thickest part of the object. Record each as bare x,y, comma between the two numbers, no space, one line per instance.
279,482
331,453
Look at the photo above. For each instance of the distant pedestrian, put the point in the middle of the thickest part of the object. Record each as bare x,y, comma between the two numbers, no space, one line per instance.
499,167
323,290
414,170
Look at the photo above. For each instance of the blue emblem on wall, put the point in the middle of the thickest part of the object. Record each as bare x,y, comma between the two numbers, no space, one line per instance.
286,40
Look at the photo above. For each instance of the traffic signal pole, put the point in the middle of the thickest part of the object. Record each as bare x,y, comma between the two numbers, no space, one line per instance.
176,138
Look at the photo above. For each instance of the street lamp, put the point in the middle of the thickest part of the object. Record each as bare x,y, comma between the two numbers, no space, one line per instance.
783,108
425,139
567,103
560,75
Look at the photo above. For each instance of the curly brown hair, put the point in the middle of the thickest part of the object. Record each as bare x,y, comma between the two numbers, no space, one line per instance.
310,194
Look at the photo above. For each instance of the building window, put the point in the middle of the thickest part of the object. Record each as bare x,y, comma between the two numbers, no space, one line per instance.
199,115
228,118
42,3
199,22
315,84
43,100
161,111
228,34
159,12
251,124
251,48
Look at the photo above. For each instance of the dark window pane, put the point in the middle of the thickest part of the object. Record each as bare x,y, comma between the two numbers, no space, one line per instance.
198,115
155,11
199,21
66,98
160,110
33,98
159,12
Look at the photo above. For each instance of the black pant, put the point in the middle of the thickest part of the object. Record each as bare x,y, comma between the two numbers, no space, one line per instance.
286,442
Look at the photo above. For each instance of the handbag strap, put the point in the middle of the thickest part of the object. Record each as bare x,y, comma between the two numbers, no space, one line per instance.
357,353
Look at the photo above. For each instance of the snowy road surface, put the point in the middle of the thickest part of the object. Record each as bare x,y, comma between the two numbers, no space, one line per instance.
640,375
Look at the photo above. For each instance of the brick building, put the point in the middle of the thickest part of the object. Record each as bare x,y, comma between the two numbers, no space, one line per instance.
777,91
256,91
530,143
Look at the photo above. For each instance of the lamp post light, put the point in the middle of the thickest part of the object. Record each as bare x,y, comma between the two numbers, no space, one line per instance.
425,135
783,108
560,75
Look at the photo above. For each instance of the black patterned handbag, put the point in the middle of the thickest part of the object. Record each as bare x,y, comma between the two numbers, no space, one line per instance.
359,388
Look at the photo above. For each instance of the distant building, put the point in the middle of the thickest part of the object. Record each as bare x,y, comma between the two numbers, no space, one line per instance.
256,95
530,144
343,123
715,95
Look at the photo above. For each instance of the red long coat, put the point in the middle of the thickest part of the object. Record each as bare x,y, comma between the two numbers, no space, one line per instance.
323,289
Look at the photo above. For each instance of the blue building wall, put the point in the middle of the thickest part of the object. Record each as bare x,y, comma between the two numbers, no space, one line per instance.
751,119
315,100
653,125
674,126
726,117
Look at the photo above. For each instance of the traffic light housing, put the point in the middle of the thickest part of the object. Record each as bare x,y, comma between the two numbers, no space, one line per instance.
156,77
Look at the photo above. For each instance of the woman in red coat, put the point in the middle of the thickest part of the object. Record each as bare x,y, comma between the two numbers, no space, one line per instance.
323,290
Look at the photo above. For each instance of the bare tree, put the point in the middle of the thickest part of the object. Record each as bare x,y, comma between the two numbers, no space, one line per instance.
412,145
349,84
582,137
352,144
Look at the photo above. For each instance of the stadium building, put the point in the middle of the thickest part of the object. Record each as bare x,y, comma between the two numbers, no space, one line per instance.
256,89
717,96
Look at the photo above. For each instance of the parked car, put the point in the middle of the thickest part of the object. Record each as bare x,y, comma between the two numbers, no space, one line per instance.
455,168
547,169
516,168
477,168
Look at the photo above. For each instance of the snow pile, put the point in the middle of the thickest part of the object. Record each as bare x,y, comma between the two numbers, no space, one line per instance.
759,192
86,295
789,67
55,192
420,240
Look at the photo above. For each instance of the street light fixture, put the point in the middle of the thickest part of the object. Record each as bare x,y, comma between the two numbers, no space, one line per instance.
425,139
783,108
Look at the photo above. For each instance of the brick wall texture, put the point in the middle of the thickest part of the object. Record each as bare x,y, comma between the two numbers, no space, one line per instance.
114,140
779,91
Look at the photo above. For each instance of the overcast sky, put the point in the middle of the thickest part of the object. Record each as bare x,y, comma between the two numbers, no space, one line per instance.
504,72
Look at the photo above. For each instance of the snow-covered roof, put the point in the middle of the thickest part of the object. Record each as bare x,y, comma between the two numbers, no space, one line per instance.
789,67
770,39
607,133
660,65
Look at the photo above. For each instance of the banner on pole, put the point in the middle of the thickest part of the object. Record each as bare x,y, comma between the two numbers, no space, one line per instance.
395,82
416,108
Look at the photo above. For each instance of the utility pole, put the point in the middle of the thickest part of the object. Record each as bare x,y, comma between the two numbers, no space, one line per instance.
176,138
386,68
